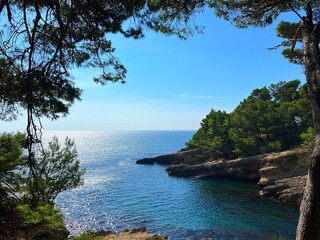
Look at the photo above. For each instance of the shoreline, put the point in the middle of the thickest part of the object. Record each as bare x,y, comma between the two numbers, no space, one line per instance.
280,175
134,234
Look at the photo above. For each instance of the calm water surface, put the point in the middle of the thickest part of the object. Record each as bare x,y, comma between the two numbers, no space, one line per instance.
118,194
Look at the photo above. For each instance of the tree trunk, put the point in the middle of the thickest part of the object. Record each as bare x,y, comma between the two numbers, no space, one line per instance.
309,221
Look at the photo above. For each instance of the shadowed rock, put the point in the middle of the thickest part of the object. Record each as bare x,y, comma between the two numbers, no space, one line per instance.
246,169
277,174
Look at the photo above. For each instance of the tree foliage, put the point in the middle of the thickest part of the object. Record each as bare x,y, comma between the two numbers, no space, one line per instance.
292,34
29,200
42,40
244,13
58,170
270,119
10,151
214,133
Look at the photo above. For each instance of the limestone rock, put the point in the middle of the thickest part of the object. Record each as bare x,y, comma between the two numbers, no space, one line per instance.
188,156
279,175
246,169
282,179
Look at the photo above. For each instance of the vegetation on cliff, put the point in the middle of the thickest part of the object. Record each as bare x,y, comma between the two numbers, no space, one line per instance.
271,119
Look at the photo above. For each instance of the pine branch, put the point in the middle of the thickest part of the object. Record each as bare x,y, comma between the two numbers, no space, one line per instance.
298,32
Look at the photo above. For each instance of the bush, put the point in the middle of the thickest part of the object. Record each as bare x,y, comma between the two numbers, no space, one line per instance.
88,236
44,222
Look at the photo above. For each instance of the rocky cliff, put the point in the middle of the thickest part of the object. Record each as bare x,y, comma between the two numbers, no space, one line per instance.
283,176
279,175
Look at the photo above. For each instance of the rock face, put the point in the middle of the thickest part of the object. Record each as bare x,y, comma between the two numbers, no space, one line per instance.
246,169
283,177
288,190
277,174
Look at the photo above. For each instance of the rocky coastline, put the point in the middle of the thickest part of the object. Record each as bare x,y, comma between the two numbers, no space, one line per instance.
280,176
138,234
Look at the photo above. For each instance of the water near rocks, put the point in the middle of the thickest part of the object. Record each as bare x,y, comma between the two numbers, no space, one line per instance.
119,194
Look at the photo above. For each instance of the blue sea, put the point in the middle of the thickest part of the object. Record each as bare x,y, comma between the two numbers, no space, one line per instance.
119,194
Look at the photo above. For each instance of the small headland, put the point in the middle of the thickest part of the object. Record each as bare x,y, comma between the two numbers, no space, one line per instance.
279,175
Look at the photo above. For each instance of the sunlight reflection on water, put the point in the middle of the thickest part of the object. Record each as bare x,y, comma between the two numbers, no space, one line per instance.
118,194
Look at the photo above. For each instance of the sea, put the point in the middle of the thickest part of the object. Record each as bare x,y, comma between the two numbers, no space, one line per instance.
118,194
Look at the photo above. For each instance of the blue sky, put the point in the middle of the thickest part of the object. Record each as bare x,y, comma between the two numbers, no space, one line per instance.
172,84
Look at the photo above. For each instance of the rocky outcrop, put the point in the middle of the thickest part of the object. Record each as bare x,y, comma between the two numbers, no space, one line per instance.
277,174
141,234
288,190
167,159
187,156
283,177
246,169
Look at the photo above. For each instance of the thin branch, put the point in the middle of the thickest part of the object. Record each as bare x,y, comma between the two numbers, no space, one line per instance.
283,44
296,12
11,190
6,3
298,32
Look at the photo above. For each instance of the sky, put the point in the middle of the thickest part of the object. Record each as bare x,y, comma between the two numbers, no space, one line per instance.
173,84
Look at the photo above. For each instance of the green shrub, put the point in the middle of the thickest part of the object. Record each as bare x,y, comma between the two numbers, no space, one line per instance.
44,214
307,137
88,236
44,222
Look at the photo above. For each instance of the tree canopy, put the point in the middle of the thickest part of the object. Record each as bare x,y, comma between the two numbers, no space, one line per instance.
29,202
270,119
42,40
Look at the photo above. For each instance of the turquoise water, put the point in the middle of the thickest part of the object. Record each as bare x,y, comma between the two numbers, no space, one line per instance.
119,194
